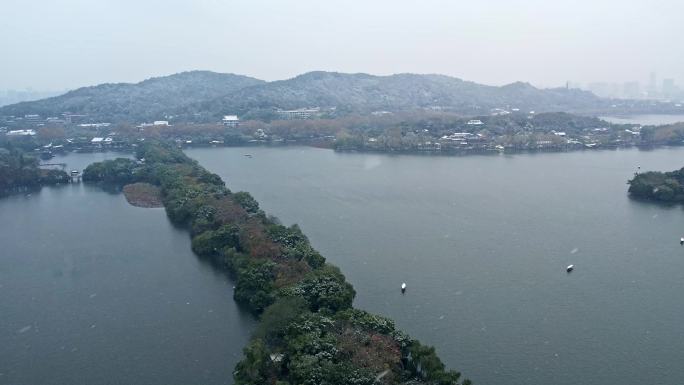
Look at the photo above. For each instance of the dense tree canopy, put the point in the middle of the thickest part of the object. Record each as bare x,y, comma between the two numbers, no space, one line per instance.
119,171
658,186
19,171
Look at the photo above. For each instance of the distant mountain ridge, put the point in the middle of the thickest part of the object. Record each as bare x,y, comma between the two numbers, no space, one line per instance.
205,96
150,99
366,93
16,96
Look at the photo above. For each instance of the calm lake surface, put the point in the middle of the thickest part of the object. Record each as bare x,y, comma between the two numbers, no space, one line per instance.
646,120
482,243
95,291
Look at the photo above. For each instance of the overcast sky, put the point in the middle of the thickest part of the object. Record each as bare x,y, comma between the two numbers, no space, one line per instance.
60,44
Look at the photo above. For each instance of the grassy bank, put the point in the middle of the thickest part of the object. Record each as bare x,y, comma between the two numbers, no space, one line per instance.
143,194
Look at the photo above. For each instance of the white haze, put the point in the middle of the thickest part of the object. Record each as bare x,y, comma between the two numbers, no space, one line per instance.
58,44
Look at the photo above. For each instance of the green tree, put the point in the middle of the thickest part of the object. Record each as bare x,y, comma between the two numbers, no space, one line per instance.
255,367
246,200
324,289
210,243
255,285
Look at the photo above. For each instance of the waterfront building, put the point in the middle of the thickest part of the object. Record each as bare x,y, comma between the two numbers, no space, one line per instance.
230,121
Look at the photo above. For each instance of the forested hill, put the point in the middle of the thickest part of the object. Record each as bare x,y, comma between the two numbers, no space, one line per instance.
363,93
151,99
203,95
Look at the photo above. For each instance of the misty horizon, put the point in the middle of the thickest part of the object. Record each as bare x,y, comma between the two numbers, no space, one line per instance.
67,44
163,75
40,93
570,82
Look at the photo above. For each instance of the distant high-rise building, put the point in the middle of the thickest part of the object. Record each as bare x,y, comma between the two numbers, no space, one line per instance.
631,90
652,85
669,88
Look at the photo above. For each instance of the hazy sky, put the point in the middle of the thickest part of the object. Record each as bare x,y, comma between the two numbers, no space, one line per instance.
58,44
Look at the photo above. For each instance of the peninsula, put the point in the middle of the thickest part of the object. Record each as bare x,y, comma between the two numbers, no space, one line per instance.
309,332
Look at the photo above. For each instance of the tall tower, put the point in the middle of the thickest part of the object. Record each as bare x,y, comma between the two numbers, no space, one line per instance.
669,88
653,84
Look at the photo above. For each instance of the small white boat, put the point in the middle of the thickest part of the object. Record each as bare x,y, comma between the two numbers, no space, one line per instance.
403,287
570,268
681,241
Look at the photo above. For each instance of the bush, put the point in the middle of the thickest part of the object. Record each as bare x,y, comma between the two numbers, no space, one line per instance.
423,363
324,289
118,171
277,317
255,367
246,200
209,243
50,177
296,244
254,285
367,321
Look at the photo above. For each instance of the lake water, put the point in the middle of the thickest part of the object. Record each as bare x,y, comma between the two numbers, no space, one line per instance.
482,243
95,291
646,120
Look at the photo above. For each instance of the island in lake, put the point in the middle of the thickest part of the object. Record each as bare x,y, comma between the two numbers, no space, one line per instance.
658,186
309,332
